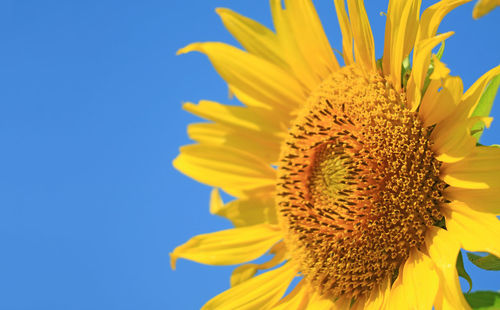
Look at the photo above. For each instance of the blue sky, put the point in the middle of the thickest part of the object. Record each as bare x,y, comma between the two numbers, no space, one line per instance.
90,121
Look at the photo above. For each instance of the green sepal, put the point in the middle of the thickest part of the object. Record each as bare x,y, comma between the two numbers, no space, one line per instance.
379,65
488,262
427,81
440,52
484,106
483,300
461,270
405,71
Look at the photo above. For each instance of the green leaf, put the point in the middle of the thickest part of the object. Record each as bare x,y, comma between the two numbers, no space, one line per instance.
484,106
461,270
483,300
488,262
440,51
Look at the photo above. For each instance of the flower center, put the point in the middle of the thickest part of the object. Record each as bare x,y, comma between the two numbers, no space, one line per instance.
359,184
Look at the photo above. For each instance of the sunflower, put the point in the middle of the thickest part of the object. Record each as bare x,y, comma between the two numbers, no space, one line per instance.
483,7
363,180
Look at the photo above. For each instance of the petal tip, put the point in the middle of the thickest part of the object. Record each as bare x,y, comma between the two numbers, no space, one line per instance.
193,47
173,260
216,203
222,11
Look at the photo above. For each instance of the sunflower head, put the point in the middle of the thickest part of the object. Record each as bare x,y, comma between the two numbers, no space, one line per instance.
362,180
358,183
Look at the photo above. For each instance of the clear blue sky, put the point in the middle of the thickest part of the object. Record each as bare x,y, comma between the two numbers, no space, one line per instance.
90,120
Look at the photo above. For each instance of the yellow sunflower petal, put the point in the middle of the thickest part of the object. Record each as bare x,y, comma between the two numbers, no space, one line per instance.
440,70
310,37
483,200
443,249
260,144
297,299
429,23
421,60
364,47
476,231
401,30
433,15
345,28
216,203
245,212
253,36
227,168
318,302
259,78
244,272
228,247
452,137
260,292
479,170
437,105
251,129
407,291
473,94
453,140
483,7
249,118
379,296
291,50
324,303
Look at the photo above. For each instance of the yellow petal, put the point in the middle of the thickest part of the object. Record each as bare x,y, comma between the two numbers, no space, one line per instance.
216,203
421,61
255,130
364,47
245,212
259,78
482,200
244,272
401,30
452,137
429,23
297,299
310,37
453,140
443,248
408,291
228,247
249,118
345,28
253,36
291,50
476,231
483,7
342,303
379,296
473,94
459,123
479,170
440,70
437,105
260,292
230,169
432,17
259,144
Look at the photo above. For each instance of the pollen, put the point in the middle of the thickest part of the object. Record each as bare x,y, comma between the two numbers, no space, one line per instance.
358,184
